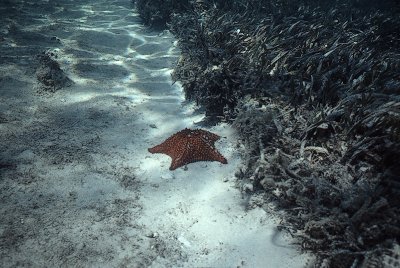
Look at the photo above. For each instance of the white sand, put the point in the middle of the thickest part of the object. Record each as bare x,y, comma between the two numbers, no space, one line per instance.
80,188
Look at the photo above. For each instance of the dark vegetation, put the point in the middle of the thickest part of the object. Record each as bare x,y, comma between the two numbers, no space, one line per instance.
156,13
313,89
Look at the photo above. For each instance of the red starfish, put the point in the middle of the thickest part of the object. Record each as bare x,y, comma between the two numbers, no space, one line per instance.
188,146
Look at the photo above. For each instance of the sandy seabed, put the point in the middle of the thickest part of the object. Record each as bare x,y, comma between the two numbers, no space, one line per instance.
78,187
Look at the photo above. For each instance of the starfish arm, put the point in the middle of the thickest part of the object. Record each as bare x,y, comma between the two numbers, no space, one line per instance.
210,154
174,165
155,150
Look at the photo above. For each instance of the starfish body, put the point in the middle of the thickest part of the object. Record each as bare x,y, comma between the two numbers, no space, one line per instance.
188,146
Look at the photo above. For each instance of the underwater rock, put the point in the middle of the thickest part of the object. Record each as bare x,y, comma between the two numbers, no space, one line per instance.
49,74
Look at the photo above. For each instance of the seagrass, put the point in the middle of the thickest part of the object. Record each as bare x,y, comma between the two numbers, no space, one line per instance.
313,90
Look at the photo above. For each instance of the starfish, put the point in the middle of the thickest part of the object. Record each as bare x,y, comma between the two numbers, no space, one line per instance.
188,146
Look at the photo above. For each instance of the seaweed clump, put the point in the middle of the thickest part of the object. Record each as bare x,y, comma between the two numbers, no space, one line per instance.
313,90
157,13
